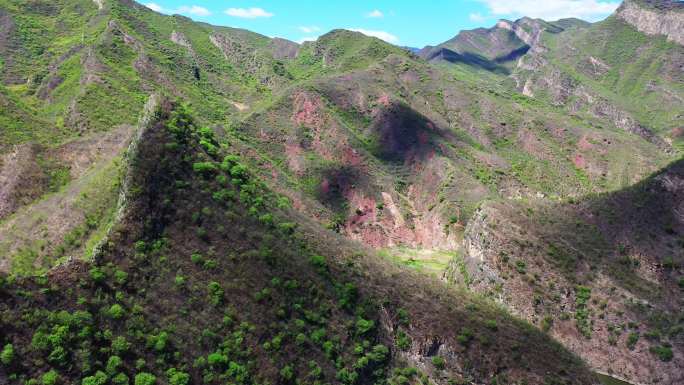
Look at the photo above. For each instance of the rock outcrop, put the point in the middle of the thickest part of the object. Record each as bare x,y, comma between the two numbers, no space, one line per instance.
655,18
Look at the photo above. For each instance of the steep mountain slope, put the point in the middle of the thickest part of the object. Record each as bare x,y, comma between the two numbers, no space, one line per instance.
614,72
423,144
402,152
206,279
602,274
364,138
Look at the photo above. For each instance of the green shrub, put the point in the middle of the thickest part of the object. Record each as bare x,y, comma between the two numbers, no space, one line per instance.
113,364
491,324
120,345
521,266
196,258
403,341
316,371
176,377
50,378
632,340
317,335
58,356
582,295
363,326
7,354
120,379
179,280
217,359
379,353
346,376
100,378
287,373
121,277
663,352
438,362
215,293
403,316
318,261
465,336
159,342
204,168
97,275
116,311
145,379
328,349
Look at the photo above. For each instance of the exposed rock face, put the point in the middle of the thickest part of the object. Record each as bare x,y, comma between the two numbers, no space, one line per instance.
668,19
180,39
528,30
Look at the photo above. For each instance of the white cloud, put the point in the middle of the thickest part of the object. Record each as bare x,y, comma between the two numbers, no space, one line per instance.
553,9
309,29
155,7
386,36
247,13
193,10
307,38
375,13
476,17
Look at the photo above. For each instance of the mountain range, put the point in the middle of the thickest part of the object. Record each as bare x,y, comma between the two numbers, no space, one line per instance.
182,203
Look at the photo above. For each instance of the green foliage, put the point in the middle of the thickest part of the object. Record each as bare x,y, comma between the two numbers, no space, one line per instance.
403,341
120,379
100,378
438,362
663,352
120,345
113,365
145,379
204,168
521,266
287,373
158,342
632,340
50,378
364,326
120,277
116,311
465,336
7,354
177,377
491,324
97,275
215,293
582,295
318,261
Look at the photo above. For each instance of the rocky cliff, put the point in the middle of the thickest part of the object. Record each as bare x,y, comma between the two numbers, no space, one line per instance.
655,18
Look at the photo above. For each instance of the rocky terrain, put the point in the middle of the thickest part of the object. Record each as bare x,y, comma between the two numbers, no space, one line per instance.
183,203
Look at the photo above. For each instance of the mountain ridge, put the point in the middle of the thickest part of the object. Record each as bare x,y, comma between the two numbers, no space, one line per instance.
330,162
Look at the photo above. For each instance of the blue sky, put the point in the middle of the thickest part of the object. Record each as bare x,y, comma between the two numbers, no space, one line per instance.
410,23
